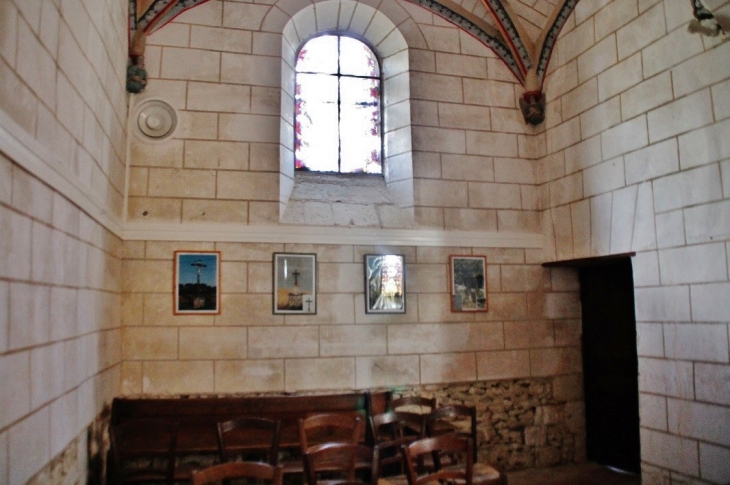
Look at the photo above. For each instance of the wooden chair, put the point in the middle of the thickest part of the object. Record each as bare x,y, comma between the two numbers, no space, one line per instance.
261,472
463,422
447,444
142,450
322,428
237,437
337,463
391,431
392,425
419,404
330,428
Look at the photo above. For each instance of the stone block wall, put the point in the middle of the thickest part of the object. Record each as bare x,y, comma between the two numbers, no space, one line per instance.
84,461
521,423
637,160
633,157
532,328
459,156
60,337
62,151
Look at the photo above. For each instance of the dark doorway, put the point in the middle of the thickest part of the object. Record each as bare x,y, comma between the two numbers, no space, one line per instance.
610,364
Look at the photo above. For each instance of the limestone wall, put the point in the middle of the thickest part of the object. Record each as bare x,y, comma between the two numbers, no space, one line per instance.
459,160
62,118
458,155
521,423
636,159
532,328
60,343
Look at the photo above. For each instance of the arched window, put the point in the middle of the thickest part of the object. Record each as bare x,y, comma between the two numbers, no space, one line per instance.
337,115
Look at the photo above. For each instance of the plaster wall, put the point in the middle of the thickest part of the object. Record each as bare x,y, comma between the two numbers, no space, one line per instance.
62,116
636,159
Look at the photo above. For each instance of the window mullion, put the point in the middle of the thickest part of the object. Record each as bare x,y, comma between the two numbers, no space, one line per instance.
339,110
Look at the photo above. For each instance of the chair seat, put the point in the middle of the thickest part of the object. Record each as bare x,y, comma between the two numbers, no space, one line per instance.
486,475
184,471
292,465
482,471
394,480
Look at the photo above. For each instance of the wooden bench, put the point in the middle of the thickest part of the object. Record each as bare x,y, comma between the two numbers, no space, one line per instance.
197,418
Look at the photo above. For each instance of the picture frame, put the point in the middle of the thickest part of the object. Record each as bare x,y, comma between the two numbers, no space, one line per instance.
295,284
196,282
385,283
468,283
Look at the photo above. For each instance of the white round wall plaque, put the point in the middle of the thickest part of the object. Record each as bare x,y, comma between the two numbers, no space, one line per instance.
155,119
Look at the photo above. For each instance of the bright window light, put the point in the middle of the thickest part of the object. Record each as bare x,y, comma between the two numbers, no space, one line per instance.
337,107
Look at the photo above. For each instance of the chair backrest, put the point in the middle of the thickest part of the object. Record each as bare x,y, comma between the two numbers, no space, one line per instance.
262,472
447,444
238,437
392,430
419,404
392,425
338,462
330,428
133,440
458,419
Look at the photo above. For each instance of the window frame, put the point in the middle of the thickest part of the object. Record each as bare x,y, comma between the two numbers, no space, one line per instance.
381,100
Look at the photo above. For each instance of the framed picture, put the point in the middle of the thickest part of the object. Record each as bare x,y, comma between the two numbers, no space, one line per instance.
468,283
197,283
295,283
385,283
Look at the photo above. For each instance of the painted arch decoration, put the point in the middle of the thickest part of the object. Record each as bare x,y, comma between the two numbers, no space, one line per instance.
145,18
526,59
149,16
477,28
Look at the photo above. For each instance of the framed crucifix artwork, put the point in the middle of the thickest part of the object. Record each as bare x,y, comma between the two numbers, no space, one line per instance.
468,283
385,283
197,283
295,284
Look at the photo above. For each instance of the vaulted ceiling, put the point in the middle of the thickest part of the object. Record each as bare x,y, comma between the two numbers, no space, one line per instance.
521,32
521,35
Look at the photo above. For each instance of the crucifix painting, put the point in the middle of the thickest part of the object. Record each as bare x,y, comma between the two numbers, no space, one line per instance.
295,281
197,282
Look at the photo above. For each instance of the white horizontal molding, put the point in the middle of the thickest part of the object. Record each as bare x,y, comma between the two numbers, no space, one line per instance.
223,232
29,154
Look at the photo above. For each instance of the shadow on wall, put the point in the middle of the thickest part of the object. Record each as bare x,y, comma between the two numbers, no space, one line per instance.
98,447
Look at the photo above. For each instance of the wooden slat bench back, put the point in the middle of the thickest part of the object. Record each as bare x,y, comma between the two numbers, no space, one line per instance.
197,417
